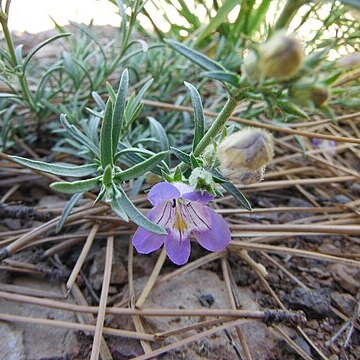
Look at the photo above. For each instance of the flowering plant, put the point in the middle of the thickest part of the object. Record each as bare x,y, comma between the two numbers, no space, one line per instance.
182,212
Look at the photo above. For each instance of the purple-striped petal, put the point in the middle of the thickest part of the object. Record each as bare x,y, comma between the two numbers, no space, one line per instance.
162,192
178,252
187,192
218,237
146,242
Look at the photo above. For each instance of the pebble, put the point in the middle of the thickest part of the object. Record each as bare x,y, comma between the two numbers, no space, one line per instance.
315,303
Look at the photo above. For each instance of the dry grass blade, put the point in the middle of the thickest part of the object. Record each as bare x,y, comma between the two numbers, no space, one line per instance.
229,290
75,326
235,245
281,129
82,257
103,299
89,319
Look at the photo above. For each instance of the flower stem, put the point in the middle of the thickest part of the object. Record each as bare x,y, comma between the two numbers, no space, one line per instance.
288,13
217,125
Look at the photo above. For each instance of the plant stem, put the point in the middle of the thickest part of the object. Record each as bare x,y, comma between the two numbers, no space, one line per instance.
288,13
216,126
15,63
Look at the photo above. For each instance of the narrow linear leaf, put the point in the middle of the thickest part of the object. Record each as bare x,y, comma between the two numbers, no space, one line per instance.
76,186
78,136
137,217
57,169
34,50
107,176
116,206
182,156
119,109
141,168
196,57
99,101
224,76
159,132
237,194
217,20
199,119
67,210
106,148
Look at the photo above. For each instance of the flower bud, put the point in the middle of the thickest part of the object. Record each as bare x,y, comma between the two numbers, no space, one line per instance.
308,93
200,179
349,61
280,58
327,145
244,176
250,148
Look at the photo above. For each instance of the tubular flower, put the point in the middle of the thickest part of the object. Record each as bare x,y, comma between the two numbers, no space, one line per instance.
182,212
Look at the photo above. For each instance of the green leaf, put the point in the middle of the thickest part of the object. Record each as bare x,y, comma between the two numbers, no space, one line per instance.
57,169
141,168
234,191
291,108
78,136
137,217
196,57
118,210
34,50
182,156
76,186
106,148
107,176
354,3
160,134
8,95
217,20
178,175
67,210
224,76
199,120
98,100
119,108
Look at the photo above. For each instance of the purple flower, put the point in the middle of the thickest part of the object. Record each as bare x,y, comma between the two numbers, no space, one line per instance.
182,212
327,145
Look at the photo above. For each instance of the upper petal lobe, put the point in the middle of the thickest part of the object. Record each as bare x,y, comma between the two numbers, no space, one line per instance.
162,192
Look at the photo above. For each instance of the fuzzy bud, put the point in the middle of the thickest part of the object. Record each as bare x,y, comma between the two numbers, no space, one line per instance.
281,57
250,148
244,176
308,93
349,61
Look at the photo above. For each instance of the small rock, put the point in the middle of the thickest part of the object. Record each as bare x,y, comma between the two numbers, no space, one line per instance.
183,292
343,302
315,303
118,271
301,342
11,343
342,199
347,277
328,249
33,341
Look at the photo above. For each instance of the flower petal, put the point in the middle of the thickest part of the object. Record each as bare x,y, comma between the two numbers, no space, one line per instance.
161,192
177,251
187,192
218,237
146,242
